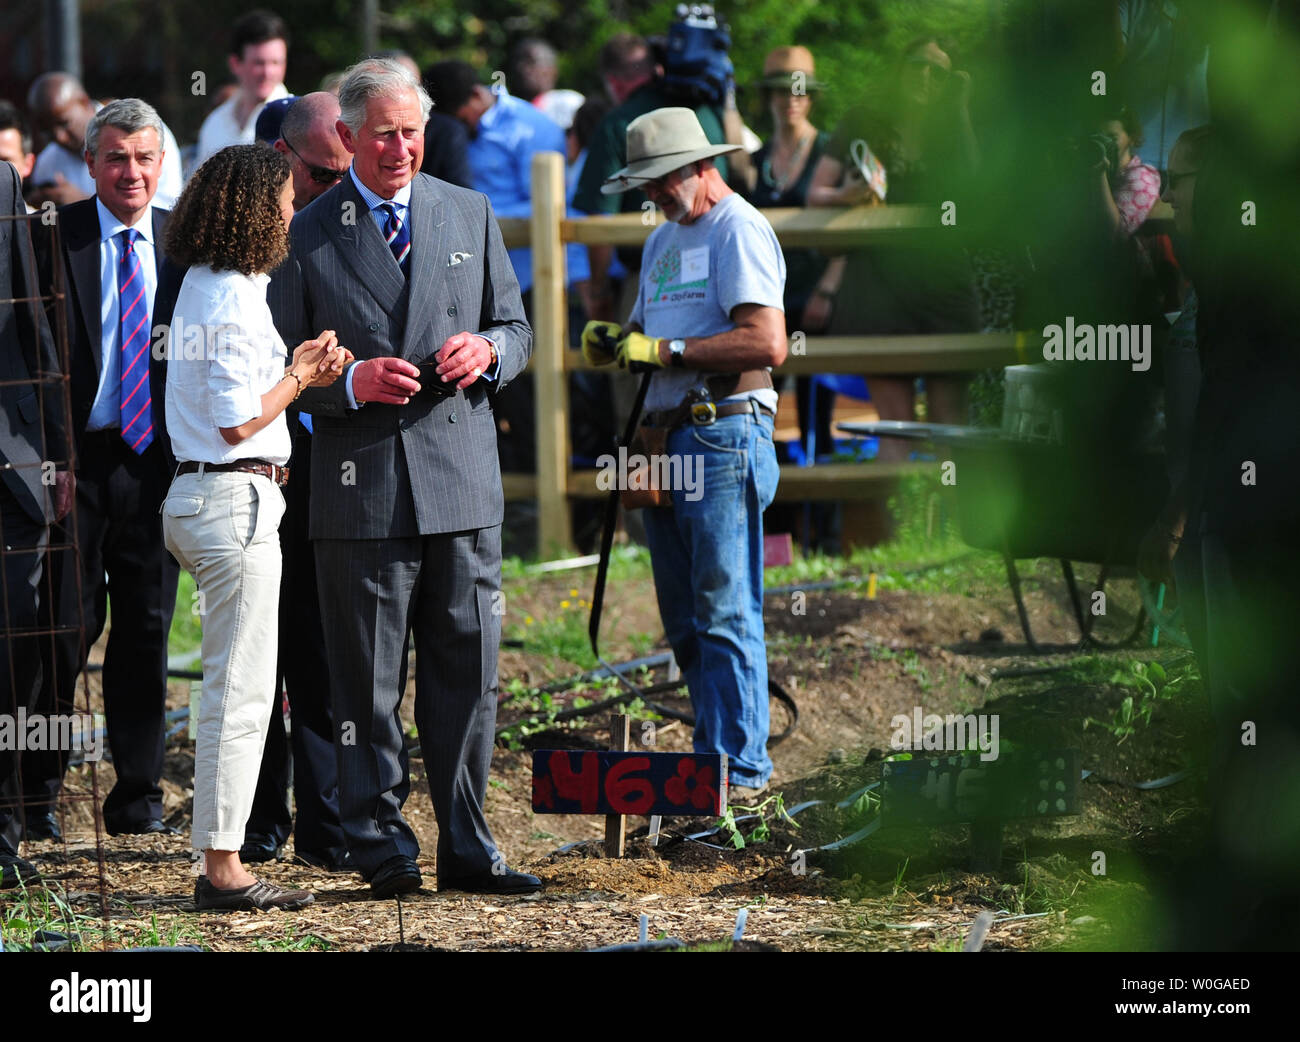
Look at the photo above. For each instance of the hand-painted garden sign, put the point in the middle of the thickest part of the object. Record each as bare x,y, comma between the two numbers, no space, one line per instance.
950,789
567,781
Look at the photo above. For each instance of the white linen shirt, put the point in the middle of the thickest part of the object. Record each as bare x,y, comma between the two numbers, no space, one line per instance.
223,354
221,128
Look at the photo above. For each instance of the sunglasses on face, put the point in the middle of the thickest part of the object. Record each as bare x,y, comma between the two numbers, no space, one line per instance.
322,175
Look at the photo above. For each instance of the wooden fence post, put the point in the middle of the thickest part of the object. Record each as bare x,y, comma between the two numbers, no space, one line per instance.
549,345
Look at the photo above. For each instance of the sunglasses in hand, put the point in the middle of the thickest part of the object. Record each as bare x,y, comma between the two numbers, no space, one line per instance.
431,382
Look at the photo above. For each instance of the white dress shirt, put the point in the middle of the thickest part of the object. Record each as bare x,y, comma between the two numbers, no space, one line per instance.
222,128
55,159
105,411
223,354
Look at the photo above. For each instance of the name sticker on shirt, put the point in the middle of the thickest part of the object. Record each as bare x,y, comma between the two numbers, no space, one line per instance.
695,264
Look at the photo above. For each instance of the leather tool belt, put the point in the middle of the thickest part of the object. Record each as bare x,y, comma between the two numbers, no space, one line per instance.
699,408
278,474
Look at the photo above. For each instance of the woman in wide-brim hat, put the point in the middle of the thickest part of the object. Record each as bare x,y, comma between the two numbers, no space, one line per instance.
783,170
784,165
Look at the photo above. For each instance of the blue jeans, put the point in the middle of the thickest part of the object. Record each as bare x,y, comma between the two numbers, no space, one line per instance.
708,567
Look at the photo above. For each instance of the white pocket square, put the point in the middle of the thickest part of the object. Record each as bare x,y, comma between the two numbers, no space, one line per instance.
455,258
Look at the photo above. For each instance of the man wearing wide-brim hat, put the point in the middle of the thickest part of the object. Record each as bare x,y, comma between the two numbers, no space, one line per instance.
708,323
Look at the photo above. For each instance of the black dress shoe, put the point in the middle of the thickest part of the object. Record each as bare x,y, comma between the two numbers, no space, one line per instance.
257,849
152,827
43,826
397,875
261,896
332,860
14,870
508,882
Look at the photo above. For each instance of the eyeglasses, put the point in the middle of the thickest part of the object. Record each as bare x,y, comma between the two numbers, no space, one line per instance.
322,175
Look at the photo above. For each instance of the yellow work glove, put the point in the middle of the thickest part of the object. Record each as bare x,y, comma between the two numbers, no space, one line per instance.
638,352
600,342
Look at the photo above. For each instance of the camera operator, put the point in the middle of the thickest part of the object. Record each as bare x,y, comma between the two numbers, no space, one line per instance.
1125,188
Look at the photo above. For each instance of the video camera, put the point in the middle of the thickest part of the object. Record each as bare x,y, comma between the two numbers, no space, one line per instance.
697,68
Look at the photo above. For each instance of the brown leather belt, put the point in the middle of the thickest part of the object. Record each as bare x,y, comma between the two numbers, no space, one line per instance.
278,474
720,387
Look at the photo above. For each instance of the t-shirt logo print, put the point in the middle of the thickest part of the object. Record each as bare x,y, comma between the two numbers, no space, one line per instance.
666,276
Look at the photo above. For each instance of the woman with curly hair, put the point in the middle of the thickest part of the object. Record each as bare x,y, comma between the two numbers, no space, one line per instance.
227,389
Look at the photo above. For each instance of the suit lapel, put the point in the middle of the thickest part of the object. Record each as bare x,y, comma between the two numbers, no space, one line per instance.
428,233
362,246
159,229
83,264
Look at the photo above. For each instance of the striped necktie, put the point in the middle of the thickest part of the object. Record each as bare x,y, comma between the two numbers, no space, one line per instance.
399,239
136,407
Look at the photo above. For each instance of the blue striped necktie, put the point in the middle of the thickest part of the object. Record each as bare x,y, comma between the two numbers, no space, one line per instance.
399,238
136,407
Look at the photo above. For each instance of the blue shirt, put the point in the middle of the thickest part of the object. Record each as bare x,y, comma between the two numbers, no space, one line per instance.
105,412
510,133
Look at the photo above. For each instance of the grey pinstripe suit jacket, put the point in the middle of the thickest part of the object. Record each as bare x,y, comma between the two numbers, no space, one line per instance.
430,466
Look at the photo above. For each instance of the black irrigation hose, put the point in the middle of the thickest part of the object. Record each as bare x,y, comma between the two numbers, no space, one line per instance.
774,690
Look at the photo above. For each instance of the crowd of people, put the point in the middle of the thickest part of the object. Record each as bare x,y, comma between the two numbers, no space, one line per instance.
345,495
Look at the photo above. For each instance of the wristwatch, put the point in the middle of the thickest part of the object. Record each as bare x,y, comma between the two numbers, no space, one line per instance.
677,352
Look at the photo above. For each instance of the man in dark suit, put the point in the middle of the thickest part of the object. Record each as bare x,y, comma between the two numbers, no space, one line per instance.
33,449
113,257
407,502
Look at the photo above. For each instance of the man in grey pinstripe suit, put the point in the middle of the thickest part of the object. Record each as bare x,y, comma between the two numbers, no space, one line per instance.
406,502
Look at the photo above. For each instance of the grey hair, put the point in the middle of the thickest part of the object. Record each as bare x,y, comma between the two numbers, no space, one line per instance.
377,78
127,115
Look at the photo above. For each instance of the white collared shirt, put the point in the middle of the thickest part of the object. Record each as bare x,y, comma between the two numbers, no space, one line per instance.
222,128
104,412
55,159
223,354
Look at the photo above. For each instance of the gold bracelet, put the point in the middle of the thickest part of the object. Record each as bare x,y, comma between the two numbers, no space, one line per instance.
298,380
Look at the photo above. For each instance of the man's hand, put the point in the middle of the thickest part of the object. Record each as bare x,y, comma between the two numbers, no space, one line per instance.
638,352
464,357
388,380
65,493
60,192
600,342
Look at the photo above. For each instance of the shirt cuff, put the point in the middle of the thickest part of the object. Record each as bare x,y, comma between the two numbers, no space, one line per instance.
352,398
493,371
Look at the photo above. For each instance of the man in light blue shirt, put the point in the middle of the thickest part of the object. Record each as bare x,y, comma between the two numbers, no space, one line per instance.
105,411
505,133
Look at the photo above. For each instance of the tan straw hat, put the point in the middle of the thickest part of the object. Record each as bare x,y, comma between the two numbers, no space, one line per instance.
784,67
658,143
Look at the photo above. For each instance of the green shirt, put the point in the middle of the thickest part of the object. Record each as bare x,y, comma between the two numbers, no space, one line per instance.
607,152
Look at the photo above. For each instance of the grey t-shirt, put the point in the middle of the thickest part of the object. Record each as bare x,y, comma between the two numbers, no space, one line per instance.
694,275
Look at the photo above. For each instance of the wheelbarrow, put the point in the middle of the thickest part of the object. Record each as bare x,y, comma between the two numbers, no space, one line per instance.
1033,498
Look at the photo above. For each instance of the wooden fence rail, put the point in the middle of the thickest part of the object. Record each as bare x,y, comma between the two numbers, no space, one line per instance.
548,230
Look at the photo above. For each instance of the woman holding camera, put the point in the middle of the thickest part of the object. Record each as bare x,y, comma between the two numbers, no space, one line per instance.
227,388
